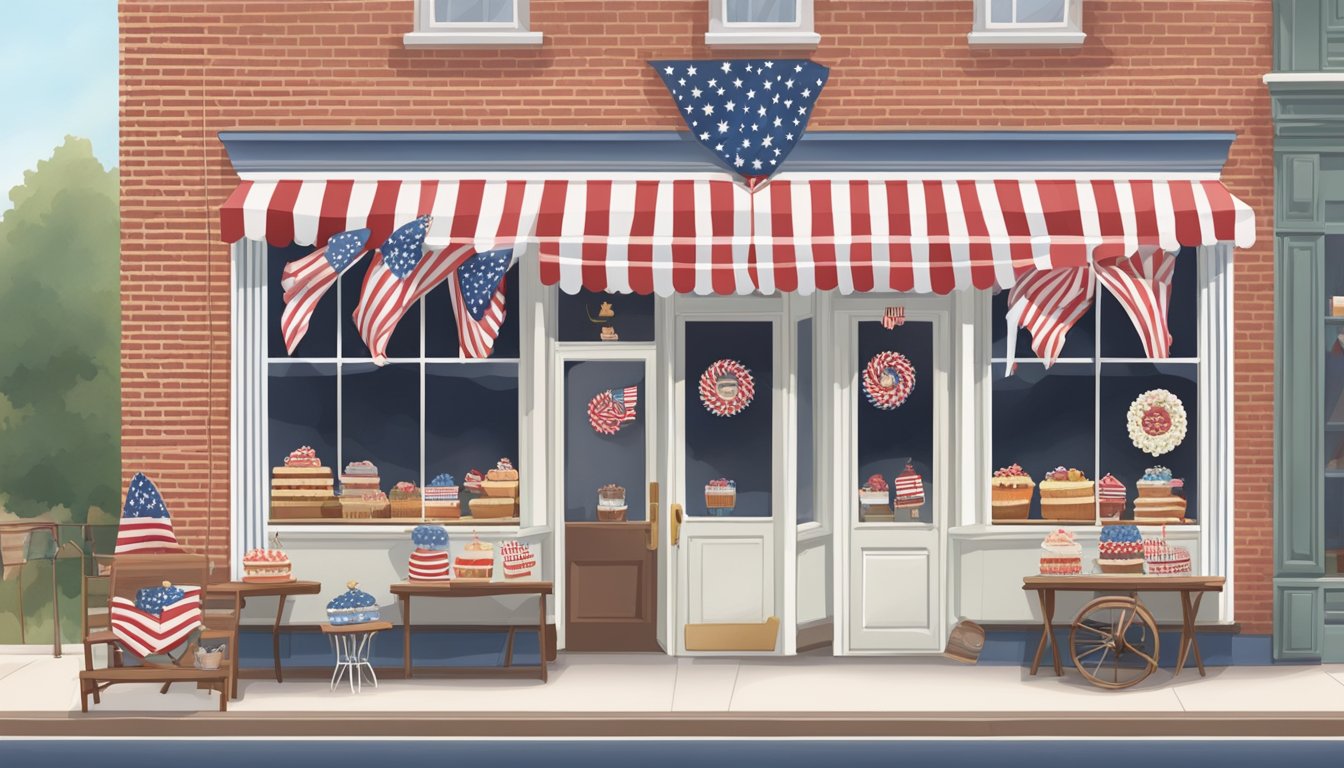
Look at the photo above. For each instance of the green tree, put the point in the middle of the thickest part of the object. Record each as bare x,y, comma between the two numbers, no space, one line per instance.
59,340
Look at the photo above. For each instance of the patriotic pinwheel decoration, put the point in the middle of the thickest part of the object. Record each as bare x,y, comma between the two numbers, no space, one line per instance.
888,380
306,280
1157,422
610,410
727,388
749,112
145,526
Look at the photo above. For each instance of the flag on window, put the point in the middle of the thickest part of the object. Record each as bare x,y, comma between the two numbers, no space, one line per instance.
306,280
749,112
391,285
145,526
1142,285
478,288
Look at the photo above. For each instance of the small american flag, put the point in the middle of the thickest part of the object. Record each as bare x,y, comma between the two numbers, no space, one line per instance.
478,289
749,112
625,400
307,280
157,623
145,526
892,317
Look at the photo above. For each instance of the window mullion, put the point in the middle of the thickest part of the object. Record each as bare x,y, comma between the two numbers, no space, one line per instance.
1096,388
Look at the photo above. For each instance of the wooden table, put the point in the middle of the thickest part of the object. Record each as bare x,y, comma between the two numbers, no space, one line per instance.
1190,588
461,588
241,591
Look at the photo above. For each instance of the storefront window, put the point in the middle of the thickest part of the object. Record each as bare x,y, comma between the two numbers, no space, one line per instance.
594,459
428,412
1334,405
593,316
895,436
805,486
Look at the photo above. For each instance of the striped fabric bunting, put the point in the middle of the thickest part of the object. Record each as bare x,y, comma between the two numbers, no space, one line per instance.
145,634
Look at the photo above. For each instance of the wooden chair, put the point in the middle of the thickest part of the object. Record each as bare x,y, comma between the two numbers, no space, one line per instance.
133,572
94,595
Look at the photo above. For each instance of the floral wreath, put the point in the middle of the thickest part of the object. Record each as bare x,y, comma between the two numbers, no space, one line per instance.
1157,422
709,388
888,380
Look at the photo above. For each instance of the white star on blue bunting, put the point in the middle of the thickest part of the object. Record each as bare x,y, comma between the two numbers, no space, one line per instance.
759,108
479,276
345,247
404,249
154,599
143,499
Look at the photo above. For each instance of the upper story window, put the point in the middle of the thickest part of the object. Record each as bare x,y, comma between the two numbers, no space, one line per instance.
452,23
1027,22
761,24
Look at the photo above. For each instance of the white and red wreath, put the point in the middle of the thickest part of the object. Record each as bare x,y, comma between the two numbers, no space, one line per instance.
1157,422
611,409
888,380
726,388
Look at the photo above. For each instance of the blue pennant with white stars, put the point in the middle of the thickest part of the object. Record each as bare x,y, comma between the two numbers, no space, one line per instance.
143,499
749,112
345,247
479,277
153,600
404,249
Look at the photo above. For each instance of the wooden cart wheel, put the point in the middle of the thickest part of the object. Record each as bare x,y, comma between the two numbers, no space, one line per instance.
1114,642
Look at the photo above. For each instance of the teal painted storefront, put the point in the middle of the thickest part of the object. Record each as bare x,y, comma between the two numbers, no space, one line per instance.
1307,89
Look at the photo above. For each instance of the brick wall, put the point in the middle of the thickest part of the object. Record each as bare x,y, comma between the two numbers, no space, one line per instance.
191,69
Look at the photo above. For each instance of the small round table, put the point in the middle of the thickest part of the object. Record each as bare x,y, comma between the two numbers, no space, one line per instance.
352,644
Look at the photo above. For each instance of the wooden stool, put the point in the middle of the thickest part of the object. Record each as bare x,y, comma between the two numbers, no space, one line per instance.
352,644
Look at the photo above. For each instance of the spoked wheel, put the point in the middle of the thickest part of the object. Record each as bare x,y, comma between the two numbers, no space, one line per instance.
1114,642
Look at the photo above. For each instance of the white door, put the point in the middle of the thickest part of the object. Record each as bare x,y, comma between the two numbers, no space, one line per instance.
892,438
727,479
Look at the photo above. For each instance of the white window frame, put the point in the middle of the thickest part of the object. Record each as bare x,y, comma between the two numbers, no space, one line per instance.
796,34
429,33
1067,32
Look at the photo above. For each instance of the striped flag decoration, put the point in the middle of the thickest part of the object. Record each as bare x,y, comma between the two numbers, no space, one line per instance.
892,317
145,526
1142,285
306,280
1048,304
153,625
478,290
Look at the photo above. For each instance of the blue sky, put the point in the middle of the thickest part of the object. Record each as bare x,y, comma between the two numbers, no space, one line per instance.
58,76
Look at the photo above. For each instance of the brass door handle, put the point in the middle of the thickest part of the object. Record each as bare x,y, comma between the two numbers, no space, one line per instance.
676,524
652,544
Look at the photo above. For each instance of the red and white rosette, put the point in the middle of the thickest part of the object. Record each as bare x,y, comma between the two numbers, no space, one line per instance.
888,380
712,390
1157,422
604,414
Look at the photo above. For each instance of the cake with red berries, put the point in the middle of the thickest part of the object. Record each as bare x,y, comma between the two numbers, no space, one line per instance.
1010,492
267,565
302,488
1062,555
1066,494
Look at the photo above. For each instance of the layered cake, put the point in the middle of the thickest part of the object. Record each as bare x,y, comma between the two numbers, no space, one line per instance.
500,488
472,480
359,476
1156,501
909,491
503,471
354,606
611,504
476,563
1120,549
1067,495
429,559
720,494
267,565
517,560
1165,560
441,498
1010,491
302,488
1062,555
1111,497
875,500
405,500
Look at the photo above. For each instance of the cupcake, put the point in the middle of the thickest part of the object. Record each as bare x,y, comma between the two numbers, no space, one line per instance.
1010,491
611,506
354,606
1066,494
441,498
1111,497
720,494
429,560
477,561
1062,555
1121,549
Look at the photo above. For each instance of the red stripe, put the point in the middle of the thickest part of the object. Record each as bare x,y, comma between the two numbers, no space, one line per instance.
550,225
898,225
861,231
509,218
721,217
335,204
683,236
641,229
596,230
467,211
1145,211
1063,221
942,278
231,213
428,189
825,275
1109,221
982,255
1224,211
784,257
280,213
1183,209
383,212
1015,223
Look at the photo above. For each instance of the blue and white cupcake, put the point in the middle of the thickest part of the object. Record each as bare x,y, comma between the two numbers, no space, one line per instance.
354,606
429,560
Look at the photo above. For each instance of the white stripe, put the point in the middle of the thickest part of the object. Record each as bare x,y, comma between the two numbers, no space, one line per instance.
919,238
704,231
1207,235
307,211
842,219
1087,213
1124,197
958,234
662,231
572,237
742,223
489,217
255,208
764,238
408,202
441,215
1245,223
1166,217
618,244
877,207
804,264
997,230
357,210
1036,226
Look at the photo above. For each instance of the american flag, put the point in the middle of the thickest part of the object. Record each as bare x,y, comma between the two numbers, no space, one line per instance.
625,400
145,527
892,317
156,623
478,289
749,112
306,281
390,285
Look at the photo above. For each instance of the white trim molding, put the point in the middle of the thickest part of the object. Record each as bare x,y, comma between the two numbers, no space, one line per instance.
429,33
798,33
1067,32
248,477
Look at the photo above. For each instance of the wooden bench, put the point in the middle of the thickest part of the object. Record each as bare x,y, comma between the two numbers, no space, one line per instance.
91,680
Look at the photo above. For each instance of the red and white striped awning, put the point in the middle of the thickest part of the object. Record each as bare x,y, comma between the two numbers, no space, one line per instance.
713,236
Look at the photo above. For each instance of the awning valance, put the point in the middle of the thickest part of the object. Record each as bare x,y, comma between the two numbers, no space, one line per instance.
714,236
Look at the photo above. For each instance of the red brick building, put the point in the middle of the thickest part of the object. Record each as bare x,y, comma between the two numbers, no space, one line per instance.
1140,88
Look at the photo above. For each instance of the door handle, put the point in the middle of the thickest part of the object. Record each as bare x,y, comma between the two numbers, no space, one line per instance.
676,524
652,544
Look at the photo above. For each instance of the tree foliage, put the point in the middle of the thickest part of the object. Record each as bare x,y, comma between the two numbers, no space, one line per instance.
59,339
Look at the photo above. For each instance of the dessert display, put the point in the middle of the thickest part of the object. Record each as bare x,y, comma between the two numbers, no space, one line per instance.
441,498
1010,491
1121,549
1155,501
405,500
477,561
503,471
1062,555
875,500
472,480
1111,497
267,565
354,606
429,560
302,488
909,491
611,506
720,495
500,489
1067,495
366,506
1165,560
517,559
359,476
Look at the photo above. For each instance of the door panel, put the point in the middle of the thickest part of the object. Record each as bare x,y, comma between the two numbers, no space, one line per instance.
610,579
730,582
886,608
